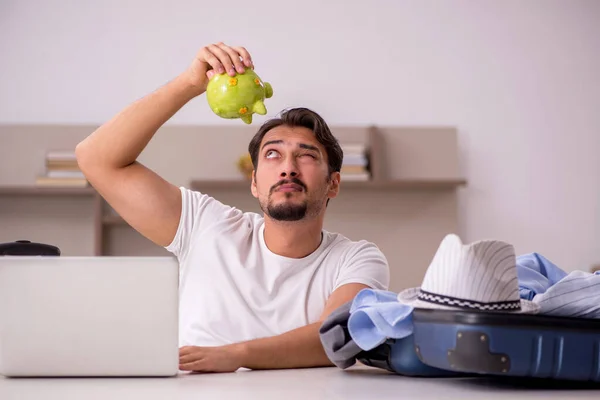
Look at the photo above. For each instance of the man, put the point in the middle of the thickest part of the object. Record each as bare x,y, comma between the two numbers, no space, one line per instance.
254,289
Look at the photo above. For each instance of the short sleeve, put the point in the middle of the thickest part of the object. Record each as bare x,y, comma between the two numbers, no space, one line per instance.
365,264
198,213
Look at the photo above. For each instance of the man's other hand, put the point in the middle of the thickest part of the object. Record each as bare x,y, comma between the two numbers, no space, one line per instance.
210,359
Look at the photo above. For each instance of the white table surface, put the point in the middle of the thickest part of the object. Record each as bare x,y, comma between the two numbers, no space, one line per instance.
318,383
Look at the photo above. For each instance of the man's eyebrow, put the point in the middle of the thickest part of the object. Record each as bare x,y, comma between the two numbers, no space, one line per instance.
301,145
272,142
308,147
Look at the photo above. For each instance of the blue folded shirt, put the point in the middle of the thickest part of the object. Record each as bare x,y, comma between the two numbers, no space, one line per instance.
536,275
376,315
575,294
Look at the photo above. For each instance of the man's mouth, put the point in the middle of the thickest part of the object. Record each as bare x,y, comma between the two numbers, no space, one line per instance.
289,187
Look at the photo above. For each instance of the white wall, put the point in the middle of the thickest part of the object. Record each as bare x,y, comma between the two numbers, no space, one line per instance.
520,80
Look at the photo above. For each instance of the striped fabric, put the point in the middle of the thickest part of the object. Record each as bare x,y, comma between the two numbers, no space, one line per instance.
575,294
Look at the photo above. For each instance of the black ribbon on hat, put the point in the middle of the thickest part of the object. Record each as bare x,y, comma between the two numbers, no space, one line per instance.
511,305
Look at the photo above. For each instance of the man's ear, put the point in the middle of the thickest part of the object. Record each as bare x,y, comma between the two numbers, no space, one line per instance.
334,185
253,187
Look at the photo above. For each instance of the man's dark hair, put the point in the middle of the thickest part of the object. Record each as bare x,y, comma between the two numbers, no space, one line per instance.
301,117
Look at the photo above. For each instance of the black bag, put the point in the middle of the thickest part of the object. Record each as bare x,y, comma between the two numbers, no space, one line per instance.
28,248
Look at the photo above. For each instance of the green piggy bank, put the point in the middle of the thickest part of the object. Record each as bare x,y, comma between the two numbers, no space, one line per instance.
238,96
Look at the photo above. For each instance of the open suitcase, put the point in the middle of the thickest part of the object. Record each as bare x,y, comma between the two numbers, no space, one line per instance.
468,318
502,344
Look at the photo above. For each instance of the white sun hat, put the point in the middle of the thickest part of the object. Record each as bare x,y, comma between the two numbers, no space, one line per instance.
481,276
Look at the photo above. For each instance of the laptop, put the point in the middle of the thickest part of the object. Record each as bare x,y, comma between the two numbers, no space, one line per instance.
88,316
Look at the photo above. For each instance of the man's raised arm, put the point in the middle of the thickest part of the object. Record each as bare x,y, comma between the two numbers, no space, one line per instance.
108,156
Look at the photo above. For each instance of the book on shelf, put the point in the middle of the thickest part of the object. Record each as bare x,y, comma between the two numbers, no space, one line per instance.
365,176
61,155
57,182
59,174
61,169
353,169
354,148
355,165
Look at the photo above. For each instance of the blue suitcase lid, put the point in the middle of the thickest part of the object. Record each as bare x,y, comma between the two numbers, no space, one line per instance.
534,321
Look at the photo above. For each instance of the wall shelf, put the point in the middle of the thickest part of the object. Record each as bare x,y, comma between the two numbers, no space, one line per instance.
241,185
46,191
398,184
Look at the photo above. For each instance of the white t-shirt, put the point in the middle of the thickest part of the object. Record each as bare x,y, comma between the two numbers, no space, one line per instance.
233,288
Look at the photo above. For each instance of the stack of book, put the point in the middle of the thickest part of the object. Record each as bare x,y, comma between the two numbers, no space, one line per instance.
62,170
355,166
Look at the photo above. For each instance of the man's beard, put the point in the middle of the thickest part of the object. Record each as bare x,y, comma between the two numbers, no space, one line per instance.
287,211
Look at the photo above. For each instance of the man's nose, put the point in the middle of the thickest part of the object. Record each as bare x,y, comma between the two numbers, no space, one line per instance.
290,169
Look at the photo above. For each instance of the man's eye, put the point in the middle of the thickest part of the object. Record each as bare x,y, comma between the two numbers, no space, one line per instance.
309,155
271,154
